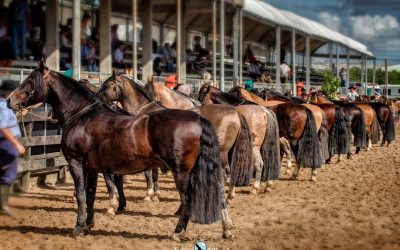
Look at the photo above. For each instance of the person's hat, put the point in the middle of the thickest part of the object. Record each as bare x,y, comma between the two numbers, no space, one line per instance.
8,85
353,87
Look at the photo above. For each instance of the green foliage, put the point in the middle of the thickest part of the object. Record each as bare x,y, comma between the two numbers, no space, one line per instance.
331,84
393,76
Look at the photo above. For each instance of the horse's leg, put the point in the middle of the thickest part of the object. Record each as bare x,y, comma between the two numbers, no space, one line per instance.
340,158
150,188
358,149
91,187
79,177
182,181
369,144
314,175
295,175
119,183
285,146
112,193
258,166
227,223
155,184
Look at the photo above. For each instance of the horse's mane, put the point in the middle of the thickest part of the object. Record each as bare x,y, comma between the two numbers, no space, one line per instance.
87,92
229,98
139,88
277,94
298,100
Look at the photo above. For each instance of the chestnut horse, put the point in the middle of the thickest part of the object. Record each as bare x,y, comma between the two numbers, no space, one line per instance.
97,139
232,130
296,124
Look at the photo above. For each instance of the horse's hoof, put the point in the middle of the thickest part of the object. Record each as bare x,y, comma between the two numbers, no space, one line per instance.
349,157
253,191
294,178
288,171
157,193
313,179
155,199
268,189
78,231
121,211
228,234
147,198
175,237
338,161
111,211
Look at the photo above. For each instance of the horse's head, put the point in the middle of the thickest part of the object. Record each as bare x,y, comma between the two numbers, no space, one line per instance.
112,87
204,94
33,90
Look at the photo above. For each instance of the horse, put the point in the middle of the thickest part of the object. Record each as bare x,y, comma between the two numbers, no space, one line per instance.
296,124
232,130
386,121
319,115
97,139
338,126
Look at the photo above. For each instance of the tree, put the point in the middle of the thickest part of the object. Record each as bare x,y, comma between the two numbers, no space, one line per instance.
331,84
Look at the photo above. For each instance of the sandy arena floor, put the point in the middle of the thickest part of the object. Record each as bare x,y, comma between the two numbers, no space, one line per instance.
354,205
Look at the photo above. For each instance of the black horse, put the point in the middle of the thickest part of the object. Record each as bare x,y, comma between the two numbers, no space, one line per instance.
97,139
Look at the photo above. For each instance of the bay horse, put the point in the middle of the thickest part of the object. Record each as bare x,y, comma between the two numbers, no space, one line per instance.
296,123
231,127
338,125
386,121
97,139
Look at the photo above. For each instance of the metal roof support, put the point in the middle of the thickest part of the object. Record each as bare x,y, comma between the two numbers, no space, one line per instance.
362,82
105,38
134,39
386,77
278,59
366,70
222,45
337,60
52,38
214,41
76,39
374,71
180,43
330,51
235,28
347,67
294,90
240,46
147,50
308,82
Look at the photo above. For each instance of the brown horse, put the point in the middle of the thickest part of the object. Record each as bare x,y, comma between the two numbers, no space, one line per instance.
338,126
296,124
95,138
386,121
231,127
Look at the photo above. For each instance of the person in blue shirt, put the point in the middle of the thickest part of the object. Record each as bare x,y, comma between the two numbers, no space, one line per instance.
10,147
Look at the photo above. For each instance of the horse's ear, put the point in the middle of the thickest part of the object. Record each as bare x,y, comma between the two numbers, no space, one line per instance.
114,74
42,65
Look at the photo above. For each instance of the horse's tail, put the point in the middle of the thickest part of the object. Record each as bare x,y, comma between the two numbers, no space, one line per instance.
389,127
206,187
323,136
360,134
270,150
375,129
309,149
338,141
240,156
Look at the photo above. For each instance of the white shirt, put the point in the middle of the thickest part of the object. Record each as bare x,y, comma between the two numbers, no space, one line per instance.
352,96
284,70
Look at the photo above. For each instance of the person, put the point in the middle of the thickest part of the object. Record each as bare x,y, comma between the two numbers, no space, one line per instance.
201,52
119,61
19,16
352,95
10,147
343,76
6,54
114,36
89,55
285,75
86,32
333,69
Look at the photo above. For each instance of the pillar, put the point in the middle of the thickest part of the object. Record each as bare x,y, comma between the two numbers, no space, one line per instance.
147,19
337,60
278,59
180,42
294,89
386,77
241,46
76,39
374,71
235,28
222,45
214,41
330,51
362,82
134,39
52,37
347,67
308,82
105,38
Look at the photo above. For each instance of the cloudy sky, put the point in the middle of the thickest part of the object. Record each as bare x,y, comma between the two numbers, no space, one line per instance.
375,23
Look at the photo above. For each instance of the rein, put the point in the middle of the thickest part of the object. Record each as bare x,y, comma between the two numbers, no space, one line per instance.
146,106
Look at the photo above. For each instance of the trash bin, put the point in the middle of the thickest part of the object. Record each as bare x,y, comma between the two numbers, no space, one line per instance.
369,91
249,85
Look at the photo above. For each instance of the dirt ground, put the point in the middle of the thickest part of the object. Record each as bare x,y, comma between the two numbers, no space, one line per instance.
354,205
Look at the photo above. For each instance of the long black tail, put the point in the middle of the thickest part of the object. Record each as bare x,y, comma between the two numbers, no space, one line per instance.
240,156
309,149
323,136
270,149
359,132
338,141
375,129
206,181
390,132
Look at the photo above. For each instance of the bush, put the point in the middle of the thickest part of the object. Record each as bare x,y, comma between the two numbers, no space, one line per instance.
331,85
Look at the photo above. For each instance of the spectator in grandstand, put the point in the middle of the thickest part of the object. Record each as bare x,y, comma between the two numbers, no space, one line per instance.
6,54
39,19
19,16
65,41
10,147
157,58
89,56
165,52
253,70
201,52
86,23
285,75
352,95
118,59
343,76
114,36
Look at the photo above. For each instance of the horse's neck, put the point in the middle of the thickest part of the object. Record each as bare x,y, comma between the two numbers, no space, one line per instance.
171,99
66,101
131,99
251,97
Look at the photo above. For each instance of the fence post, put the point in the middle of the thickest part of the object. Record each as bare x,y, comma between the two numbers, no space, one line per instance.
26,176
